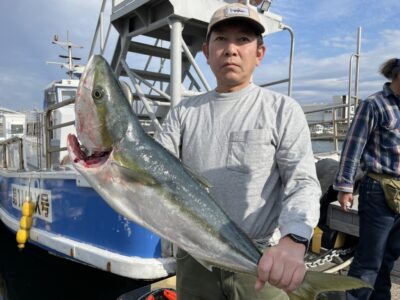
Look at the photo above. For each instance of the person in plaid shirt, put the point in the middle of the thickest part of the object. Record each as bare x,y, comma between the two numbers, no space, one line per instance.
373,142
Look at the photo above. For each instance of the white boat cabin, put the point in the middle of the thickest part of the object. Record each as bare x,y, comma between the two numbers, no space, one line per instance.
38,140
47,149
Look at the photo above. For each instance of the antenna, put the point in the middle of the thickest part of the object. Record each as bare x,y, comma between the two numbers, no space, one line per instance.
67,45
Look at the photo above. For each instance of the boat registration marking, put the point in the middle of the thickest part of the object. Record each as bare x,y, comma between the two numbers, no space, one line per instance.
41,197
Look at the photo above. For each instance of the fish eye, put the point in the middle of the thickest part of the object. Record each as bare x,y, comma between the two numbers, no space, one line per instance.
97,93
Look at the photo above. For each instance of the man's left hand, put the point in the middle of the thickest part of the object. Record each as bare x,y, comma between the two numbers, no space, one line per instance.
282,266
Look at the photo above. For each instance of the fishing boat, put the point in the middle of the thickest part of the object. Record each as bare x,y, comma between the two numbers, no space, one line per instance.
69,219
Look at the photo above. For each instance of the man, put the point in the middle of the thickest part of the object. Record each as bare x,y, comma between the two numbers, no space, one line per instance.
374,140
253,145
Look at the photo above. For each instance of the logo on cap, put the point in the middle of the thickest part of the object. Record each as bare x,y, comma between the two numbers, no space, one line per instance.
237,11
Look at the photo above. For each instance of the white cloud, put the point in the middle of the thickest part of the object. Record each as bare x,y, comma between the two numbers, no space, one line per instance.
317,79
345,42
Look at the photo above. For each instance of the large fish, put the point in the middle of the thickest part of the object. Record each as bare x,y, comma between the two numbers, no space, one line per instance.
145,183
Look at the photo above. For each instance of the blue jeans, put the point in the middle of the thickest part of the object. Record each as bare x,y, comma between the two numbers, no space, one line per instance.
378,245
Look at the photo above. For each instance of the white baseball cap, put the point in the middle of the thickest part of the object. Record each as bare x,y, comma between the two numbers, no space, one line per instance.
236,11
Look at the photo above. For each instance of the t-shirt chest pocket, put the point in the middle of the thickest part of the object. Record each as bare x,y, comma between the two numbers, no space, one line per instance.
250,150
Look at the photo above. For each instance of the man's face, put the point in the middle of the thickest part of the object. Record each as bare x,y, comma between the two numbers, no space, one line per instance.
233,54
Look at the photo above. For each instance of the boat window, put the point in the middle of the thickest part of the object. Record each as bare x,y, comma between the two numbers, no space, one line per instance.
60,94
32,129
51,98
17,129
67,94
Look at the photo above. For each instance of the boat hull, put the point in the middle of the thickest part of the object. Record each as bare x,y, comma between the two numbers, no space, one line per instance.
73,221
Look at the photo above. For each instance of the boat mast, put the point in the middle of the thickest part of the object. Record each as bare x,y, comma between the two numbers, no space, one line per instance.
68,45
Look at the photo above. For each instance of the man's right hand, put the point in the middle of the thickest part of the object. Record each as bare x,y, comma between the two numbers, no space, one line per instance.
282,265
345,200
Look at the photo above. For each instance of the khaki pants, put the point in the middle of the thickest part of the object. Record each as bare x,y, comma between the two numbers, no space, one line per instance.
194,282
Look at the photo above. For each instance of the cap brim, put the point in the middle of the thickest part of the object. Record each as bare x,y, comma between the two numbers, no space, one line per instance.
258,27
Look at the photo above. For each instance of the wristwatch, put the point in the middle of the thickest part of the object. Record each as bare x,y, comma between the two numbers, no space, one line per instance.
299,239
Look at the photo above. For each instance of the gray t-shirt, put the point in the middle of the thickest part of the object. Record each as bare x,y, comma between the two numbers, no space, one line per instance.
254,147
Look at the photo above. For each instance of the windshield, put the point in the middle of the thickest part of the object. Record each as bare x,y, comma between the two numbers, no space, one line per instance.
67,94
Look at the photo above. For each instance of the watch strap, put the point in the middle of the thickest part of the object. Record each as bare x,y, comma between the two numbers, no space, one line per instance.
299,239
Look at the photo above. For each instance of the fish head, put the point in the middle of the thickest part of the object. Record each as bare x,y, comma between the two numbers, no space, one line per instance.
99,113
91,106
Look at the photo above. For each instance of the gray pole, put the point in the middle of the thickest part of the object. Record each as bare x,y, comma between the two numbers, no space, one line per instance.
358,54
290,79
176,60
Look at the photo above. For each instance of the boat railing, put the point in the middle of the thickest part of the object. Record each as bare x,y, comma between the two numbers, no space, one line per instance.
11,156
49,127
100,31
337,126
341,113
288,80
354,96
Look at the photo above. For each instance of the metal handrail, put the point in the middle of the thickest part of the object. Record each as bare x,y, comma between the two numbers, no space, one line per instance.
99,29
161,68
141,95
333,106
351,101
195,65
356,79
48,128
289,80
285,27
335,136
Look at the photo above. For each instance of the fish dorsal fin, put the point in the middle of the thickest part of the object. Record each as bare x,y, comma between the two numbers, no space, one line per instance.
315,283
202,180
133,171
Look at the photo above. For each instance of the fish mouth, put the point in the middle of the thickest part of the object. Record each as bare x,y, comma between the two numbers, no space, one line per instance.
77,156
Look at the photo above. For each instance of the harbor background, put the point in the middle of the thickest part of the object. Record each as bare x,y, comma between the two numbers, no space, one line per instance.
324,146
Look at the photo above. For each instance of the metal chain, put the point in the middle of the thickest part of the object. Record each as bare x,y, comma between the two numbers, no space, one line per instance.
328,258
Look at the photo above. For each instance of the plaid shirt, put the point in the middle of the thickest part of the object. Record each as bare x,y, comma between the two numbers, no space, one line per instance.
373,139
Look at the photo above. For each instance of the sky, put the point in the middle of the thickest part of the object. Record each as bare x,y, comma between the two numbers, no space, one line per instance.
325,38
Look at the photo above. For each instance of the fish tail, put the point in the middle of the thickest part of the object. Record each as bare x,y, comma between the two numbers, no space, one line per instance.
315,283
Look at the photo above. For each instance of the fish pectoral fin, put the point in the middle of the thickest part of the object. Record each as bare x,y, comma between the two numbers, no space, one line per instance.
315,283
137,175
202,180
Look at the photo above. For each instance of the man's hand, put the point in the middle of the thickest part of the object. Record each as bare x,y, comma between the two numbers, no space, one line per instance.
345,200
282,266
